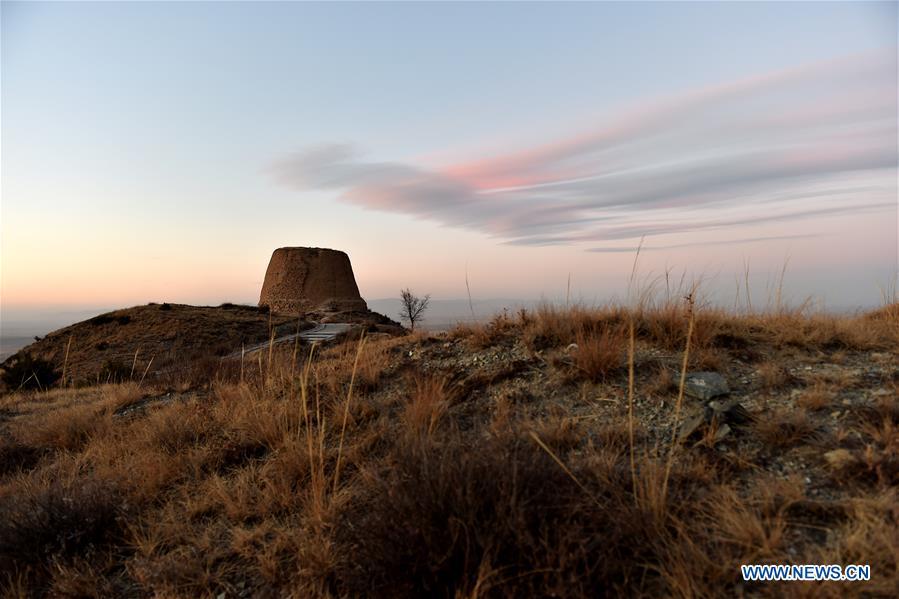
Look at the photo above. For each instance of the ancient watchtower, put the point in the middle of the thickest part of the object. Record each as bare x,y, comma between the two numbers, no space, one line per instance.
300,279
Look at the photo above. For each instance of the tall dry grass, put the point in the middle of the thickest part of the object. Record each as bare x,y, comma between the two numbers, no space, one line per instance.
358,470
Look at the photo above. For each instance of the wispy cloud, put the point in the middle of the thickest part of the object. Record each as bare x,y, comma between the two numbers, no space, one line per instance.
789,145
633,249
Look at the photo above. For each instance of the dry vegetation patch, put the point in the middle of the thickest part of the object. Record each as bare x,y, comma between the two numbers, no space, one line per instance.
166,342
496,460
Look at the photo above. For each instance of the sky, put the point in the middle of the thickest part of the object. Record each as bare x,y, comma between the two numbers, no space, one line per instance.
161,151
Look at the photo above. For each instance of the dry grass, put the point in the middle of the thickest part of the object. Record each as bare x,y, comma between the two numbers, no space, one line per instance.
599,353
784,427
819,396
798,329
773,375
427,405
491,333
404,467
549,326
663,383
173,339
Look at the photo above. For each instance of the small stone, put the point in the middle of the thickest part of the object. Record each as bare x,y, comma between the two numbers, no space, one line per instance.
839,458
705,385
691,426
722,432
731,411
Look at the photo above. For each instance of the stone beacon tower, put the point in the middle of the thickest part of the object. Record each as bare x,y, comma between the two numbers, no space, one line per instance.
300,280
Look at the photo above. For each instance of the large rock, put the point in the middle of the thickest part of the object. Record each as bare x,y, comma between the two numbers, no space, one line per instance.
705,385
300,280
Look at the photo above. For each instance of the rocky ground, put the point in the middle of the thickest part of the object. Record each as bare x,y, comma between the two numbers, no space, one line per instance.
797,413
550,453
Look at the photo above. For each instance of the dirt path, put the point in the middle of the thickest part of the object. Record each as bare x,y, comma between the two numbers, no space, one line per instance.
320,333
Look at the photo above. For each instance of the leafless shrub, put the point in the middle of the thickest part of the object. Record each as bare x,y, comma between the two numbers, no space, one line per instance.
413,307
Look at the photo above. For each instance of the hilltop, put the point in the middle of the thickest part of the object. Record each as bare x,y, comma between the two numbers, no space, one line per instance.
105,347
167,343
546,453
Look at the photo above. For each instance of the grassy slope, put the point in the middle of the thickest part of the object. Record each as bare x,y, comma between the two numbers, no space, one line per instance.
172,335
495,461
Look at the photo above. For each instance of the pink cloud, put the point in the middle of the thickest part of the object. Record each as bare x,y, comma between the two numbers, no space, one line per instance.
720,148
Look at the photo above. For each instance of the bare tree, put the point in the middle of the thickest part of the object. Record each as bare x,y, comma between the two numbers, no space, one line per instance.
413,307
